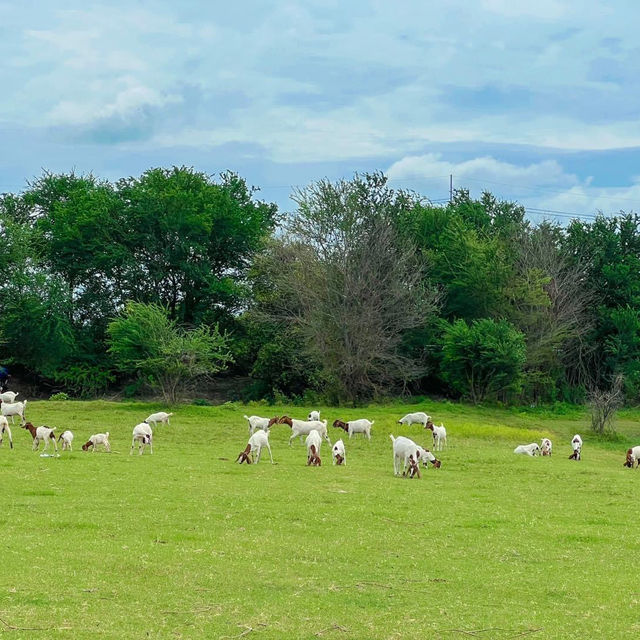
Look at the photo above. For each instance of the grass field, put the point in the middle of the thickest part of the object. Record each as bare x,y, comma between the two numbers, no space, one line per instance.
185,544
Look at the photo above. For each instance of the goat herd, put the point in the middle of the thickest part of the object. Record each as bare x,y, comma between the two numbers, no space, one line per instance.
407,455
9,408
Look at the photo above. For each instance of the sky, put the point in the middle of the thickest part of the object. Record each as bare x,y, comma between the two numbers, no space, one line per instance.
537,102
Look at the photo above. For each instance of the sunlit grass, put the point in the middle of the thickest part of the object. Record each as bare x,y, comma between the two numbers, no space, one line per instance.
185,544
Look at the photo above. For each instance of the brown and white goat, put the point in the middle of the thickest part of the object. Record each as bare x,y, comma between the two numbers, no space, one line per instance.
256,442
41,434
313,442
633,456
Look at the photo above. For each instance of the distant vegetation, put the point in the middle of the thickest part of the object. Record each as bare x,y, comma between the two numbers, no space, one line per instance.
361,292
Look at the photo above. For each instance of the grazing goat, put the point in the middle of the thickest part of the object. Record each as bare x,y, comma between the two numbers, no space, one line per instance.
576,444
143,435
313,442
338,453
546,447
256,422
161,417
41,434
95,440
4,426
404,448
439,435
304,428
356,426
415,418
528,449
13,409
258,440
9,396
633,455
67,440
314,415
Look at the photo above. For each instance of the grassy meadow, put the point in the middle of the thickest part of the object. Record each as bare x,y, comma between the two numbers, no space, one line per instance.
185,544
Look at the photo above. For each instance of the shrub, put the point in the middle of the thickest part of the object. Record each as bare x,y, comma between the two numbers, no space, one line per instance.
483,360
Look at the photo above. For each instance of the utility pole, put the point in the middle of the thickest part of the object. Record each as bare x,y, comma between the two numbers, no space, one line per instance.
450,188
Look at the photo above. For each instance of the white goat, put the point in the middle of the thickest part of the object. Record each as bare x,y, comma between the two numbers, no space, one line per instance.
528,449
633,455
67,440
95,440
356,426
338,453
546,447
161,417
13,409
9,396
313,442
256,442
415,418
143,435
314,415
576,444
256,422
304,428
4,426
439,435
41,434
404,448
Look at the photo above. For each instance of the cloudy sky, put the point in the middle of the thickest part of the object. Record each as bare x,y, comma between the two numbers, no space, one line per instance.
534,101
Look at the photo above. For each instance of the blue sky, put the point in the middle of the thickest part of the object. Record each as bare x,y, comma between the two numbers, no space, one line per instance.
538,102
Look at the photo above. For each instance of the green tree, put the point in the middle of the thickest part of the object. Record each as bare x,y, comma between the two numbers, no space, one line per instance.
483,360
145,342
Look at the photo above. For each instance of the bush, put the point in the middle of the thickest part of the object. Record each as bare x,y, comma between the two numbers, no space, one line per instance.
59,396
484,360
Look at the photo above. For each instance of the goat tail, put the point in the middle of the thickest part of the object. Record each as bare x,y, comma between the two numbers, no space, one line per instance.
373,422
246,417
392,438
107,434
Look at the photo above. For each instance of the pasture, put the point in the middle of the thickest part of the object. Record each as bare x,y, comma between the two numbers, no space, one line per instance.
186,544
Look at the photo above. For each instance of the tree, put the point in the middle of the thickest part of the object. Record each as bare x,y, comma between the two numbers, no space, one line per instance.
144,341
483,360
352,283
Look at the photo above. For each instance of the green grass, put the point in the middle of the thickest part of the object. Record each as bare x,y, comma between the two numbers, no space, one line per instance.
185,544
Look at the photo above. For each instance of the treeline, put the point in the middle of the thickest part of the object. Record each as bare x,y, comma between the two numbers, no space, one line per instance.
362,291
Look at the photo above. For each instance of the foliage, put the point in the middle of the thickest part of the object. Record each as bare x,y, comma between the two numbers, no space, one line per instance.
483,360
61,395
603,404
144,341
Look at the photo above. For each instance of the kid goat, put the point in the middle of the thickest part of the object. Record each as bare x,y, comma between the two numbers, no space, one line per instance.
439,435
258,440
41,434
313,442
356,426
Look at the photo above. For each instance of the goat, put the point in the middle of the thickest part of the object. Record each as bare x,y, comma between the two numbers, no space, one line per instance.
528,449
258,440
355,426
161,417
439,435
314,415
143,435
256,422
304,428
41,434
633,455
13,409
414,468
4,426
9,396
546,447
576,444
313,442
338,453
404,448
95,440
415,418
67,439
